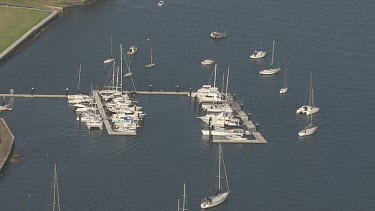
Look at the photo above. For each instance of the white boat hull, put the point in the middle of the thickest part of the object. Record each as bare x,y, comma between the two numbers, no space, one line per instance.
283,90
308,110
215,200
222,133
270,71
307,131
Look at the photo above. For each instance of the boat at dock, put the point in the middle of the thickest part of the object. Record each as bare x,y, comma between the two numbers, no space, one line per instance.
6,107
218,35
222,193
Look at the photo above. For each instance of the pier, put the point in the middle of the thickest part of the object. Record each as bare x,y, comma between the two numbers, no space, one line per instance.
6,143
259,139
107,125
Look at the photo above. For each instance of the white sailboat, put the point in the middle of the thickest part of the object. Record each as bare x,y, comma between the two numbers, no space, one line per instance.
308,130
310,108
272,70
222,193
183,202
110,60
56,194
285,88
152,63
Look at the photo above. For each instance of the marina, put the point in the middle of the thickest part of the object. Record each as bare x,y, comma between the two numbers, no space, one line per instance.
111,172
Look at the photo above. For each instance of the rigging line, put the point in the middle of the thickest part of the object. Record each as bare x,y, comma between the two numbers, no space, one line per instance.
75,78
225,171
128,67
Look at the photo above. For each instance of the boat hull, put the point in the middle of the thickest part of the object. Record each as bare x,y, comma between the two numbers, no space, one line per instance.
215,200
308,110
270,71
307,131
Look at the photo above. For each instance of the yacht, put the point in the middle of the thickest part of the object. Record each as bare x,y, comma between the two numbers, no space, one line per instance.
258,53
132,50
218,35
207,62
161,3
7,107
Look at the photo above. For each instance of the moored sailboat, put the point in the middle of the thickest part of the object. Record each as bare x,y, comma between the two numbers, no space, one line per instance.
272,70
223,192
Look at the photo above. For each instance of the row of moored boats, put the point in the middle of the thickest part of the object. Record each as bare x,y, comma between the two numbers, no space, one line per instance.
119,107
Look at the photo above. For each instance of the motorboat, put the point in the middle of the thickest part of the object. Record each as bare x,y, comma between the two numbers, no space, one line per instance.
132,50
6,107
218,35
238,137
161,3
207,62
258,53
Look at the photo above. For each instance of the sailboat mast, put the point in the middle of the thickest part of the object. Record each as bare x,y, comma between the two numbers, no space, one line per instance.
79,78
121,53
285,77
311,87
215,76
183,200
219,167
178,205
151,55
111,49
56,192
273,49
226,89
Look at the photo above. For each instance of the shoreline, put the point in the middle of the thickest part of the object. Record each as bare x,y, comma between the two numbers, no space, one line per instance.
55,11
6,143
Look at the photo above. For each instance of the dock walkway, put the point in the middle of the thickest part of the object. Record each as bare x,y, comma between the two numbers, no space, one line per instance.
6,143
105,119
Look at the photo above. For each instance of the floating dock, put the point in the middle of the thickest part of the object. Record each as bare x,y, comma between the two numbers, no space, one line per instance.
32,96
106,121
6,143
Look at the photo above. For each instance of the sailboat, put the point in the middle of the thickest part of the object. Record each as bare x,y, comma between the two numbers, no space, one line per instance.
183,202
310,108
152,63
285,88
272,70
222,194
308,130
110,60
56,194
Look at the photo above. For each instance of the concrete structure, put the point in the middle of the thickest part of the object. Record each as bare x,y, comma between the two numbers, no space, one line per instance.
29,34
105,119
6,143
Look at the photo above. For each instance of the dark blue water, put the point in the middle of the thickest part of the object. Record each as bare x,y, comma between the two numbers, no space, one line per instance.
331,170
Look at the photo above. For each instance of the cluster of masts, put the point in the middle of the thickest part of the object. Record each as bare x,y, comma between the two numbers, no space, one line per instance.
218,113
119,106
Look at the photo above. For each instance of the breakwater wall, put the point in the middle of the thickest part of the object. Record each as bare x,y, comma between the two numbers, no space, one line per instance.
6,143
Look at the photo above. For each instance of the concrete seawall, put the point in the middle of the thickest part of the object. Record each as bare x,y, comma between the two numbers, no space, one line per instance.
29,34
6,143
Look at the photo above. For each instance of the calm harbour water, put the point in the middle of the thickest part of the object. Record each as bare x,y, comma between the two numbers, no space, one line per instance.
332,170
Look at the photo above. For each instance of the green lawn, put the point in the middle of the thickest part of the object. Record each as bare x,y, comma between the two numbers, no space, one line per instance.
14,22
36,3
